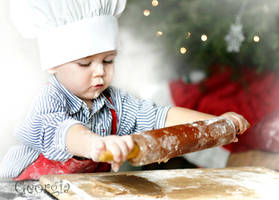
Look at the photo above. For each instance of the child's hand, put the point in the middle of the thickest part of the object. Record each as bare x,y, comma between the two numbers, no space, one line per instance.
119,146
241,124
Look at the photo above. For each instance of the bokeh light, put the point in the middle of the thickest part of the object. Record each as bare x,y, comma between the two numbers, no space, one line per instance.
146,12
204,37
183,50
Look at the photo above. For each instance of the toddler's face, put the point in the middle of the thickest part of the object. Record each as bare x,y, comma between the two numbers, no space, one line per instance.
87,77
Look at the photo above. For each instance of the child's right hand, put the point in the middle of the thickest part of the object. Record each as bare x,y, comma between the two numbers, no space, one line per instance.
119,146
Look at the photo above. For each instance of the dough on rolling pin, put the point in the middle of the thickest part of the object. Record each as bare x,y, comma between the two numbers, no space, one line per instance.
162,144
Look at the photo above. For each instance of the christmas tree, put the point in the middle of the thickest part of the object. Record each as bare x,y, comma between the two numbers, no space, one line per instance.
201,33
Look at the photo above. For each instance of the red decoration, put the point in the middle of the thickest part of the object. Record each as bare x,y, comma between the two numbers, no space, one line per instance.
252,95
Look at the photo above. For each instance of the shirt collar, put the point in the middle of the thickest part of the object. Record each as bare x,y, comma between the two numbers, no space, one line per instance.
76,103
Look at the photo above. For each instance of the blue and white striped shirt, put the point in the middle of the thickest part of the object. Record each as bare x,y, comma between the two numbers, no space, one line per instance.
56,109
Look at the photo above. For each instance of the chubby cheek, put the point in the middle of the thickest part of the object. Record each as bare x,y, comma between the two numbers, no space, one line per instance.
78,82
83,81
109,74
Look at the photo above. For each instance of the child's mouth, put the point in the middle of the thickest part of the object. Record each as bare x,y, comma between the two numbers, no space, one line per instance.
98,86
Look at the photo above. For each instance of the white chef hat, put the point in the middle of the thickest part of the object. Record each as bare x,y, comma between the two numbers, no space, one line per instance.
68,30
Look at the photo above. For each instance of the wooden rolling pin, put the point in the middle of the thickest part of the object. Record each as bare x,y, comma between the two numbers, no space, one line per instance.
162,144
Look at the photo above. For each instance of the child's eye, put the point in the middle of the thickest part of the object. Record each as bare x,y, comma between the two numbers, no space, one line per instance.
108,61
84,64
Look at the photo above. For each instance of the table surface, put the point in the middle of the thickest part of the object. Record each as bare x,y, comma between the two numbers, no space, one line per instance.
30,190
245,183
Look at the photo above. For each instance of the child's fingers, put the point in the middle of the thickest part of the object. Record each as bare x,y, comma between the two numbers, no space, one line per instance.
241,124
97,147
235,139
115,166
119,146
237,121
247,124
129,142
100,146
124,149
114,149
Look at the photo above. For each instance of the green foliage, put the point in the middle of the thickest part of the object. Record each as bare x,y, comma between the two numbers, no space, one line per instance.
211,17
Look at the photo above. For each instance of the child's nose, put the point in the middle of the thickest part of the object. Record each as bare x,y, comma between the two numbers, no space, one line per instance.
99,70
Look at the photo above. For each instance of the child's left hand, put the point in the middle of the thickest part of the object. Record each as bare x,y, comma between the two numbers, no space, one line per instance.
241,124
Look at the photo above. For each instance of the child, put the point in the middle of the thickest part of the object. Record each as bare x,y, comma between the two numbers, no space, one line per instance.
79,115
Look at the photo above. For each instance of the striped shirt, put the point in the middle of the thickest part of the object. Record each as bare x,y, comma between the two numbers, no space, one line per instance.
56,109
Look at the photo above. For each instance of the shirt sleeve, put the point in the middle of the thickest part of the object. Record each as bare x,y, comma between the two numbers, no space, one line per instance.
141,115
150,116
46,127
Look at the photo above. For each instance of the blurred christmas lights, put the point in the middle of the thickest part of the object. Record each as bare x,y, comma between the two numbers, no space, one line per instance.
188,35
183,50
159,33
256,38
155,3
204,37
146,12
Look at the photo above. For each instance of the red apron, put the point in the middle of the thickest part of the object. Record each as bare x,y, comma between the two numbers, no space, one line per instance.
44,166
